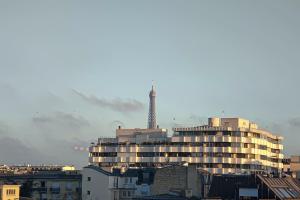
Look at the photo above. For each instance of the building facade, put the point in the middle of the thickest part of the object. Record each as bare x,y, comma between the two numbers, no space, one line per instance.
295,166
224,146
9,192
95,183
49,185
183,180
98,184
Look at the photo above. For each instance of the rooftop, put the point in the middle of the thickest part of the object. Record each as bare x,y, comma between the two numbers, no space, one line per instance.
283,188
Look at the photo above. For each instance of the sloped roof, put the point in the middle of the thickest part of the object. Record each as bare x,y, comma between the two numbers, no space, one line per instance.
161,197
283,188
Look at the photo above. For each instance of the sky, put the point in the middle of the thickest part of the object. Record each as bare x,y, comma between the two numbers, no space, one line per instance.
72,71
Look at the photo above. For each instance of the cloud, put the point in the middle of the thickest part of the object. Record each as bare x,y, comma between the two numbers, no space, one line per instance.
4,129
61,119
67,151
119,105
294,122
14,151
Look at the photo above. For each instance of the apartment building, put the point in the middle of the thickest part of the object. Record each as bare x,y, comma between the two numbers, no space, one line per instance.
98,184
46,185
223,146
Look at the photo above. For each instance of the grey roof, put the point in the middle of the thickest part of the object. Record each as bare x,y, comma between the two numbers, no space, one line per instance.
161,197
116,172
283,188
98,169
64,176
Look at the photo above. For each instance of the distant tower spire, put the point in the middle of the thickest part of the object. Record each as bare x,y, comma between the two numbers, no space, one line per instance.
152,114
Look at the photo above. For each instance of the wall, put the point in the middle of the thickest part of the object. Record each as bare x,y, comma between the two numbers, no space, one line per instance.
179,178
47,186
98,185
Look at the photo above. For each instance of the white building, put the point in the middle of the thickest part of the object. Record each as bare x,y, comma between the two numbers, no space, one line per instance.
98,184
95,183
225,145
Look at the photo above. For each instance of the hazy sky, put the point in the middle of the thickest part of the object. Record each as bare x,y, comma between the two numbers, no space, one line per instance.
70,69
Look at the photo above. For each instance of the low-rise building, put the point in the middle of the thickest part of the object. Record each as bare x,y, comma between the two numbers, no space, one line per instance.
98,184
128,183
26,169
255,186
185,180
291,166
286,166
46,185
295,166
9,192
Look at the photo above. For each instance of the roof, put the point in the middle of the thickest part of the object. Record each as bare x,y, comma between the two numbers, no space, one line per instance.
98,169
131,172
161,197
225,186
63,176
9,185
283,188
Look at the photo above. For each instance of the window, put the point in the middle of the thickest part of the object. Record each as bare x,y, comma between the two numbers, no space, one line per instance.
236,134
10,192
88,192
124,193
262,147
115,195
43,184
89,178
115,181
263,157
69,186
241,155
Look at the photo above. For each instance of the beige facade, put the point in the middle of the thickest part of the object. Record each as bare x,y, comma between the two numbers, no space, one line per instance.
224,146
9,192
